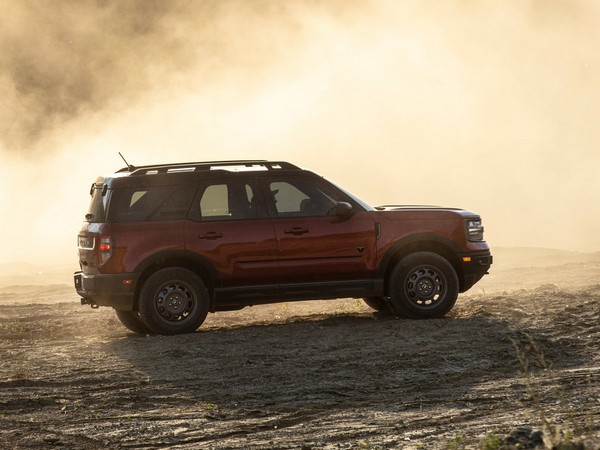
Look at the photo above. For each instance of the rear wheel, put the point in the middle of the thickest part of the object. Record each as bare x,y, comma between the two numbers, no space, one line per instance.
173,301
423,285
132,321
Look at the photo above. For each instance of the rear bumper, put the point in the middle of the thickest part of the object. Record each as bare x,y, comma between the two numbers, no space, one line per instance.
115,290
474,267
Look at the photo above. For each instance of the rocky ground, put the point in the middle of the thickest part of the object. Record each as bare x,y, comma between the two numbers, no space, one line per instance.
516,362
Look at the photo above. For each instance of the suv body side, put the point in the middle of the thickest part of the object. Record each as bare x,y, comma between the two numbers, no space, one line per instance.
277,239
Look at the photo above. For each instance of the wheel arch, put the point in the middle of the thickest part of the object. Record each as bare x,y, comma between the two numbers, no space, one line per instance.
421,243
195,263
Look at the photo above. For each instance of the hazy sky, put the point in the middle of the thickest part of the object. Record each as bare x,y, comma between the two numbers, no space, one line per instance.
493,106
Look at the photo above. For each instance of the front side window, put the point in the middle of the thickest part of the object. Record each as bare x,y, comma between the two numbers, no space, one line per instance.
301,198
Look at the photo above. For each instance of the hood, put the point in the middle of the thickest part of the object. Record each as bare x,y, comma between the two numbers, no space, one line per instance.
422,212
410,207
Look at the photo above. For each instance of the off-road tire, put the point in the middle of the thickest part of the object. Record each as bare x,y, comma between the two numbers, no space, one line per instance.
173,301
132,321
423,285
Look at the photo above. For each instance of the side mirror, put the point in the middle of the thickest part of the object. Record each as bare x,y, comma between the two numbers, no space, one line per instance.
343,210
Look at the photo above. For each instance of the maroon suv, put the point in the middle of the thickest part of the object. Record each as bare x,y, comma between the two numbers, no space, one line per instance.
166,244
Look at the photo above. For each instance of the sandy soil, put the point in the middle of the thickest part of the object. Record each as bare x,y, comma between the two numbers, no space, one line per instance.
520,348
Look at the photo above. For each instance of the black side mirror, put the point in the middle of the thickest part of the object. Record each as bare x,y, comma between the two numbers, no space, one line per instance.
343,210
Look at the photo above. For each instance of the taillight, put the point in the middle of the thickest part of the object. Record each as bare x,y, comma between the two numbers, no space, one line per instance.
104,249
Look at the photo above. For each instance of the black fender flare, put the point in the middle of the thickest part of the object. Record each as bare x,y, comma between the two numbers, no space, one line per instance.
180,258
420,242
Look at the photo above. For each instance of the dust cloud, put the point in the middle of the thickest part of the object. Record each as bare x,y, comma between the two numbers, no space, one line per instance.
490,106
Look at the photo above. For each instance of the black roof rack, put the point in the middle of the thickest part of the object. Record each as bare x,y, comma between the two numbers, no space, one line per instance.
208,165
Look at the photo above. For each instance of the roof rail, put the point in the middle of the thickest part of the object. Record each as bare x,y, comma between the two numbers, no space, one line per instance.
209,165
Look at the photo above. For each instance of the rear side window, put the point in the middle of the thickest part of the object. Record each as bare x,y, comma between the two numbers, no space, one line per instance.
232,200
150,203
215,201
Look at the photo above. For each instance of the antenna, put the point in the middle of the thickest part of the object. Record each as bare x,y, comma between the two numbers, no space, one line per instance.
129,166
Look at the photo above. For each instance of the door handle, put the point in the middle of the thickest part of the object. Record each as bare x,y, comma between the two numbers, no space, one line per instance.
296,230
210,235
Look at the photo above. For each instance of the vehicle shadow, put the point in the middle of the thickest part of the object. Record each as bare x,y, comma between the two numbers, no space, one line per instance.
325,363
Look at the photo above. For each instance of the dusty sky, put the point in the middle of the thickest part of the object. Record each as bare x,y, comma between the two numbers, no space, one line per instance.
493,106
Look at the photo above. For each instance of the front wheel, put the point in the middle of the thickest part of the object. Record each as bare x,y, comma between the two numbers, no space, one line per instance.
173,301
423,285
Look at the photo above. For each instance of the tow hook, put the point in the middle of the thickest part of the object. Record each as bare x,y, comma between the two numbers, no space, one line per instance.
89,301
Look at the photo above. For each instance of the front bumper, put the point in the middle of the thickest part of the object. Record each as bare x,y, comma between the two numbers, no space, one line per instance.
474,267
115,290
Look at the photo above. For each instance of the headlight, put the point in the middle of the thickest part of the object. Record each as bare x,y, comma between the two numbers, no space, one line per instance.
474,230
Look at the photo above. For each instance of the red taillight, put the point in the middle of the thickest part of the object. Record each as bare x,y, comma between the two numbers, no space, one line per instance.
104,249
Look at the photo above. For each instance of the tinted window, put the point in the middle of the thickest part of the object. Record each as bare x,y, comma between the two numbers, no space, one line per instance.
97,210
150,203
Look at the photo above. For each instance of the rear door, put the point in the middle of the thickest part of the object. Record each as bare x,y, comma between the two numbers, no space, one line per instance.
314,246
230,228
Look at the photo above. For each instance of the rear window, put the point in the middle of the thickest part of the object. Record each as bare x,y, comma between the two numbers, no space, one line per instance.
98,204
150,203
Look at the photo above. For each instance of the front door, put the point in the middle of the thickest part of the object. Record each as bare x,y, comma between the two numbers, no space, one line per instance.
315,246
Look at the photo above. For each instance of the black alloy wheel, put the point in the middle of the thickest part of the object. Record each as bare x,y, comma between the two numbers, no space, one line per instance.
423,285
173,301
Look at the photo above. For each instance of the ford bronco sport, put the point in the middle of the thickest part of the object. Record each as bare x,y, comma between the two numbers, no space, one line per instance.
164,245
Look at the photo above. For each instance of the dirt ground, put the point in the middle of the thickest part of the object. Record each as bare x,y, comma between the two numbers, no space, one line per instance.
519,349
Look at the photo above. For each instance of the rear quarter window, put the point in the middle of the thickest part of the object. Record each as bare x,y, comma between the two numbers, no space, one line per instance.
150,203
